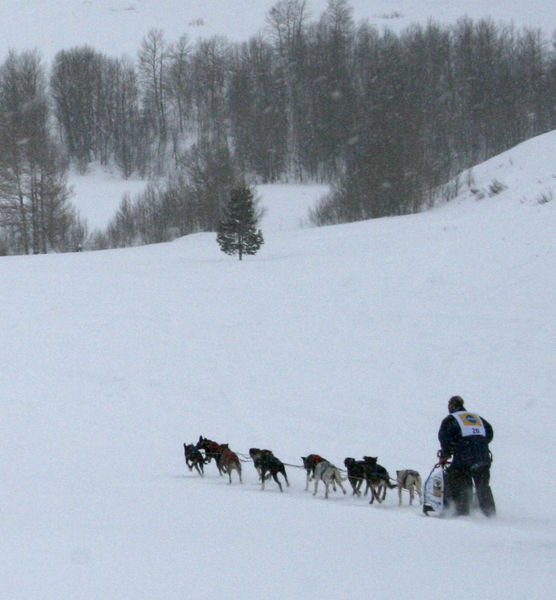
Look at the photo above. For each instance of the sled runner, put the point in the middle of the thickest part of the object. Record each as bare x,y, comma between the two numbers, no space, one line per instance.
433,501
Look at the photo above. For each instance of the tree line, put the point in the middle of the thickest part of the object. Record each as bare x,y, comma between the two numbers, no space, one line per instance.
383,117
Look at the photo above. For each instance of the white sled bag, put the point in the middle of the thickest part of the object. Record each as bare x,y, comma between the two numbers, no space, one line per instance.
433,501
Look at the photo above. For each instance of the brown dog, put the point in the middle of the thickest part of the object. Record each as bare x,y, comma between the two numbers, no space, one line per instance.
229,462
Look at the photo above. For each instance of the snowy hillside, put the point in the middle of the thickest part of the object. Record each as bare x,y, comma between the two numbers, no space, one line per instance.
118,26
343,341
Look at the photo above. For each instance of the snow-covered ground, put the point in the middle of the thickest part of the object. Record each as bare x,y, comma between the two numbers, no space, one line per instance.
344,341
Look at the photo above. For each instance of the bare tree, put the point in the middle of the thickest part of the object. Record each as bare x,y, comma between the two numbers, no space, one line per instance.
287,22
153,70
33,189
210,81
258,111
179,81
76,87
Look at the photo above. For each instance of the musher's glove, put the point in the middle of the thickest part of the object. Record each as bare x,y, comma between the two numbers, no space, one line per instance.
442,458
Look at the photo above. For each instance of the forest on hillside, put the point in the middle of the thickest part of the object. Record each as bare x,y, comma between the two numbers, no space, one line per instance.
385,118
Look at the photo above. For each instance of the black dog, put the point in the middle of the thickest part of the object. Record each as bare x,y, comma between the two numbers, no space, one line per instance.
193,458
357,474
272,465
377,478
256,455
268,466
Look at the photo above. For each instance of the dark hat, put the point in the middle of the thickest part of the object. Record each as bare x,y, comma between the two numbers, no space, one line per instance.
455,403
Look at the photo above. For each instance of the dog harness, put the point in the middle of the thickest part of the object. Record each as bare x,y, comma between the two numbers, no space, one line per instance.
408,474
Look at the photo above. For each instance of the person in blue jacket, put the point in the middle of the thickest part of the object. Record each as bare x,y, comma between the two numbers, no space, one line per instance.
465,436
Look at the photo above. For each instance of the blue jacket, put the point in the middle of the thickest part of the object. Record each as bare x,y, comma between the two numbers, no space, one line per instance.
465,450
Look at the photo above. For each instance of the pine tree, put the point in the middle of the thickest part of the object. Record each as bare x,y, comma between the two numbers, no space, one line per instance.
237,233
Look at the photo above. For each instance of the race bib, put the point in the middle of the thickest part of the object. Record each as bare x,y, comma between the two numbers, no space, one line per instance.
470,423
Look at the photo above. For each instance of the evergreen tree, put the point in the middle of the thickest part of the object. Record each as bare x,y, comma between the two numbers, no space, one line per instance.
236,231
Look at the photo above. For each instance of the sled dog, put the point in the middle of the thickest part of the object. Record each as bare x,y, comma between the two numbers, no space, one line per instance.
193,458
309,463
256,455
357,474
268,466
378,479
229,462
329,475
410,480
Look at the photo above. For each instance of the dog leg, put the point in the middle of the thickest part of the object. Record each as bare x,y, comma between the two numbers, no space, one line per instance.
316,487
367,487
286,477
275,477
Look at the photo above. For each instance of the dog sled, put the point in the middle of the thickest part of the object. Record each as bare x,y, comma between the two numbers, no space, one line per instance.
433,493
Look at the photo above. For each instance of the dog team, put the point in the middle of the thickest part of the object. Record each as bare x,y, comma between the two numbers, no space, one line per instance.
318,469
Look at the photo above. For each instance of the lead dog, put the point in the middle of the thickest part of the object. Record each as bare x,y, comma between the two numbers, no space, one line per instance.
212,450
410,480
329,475
309,463
193,458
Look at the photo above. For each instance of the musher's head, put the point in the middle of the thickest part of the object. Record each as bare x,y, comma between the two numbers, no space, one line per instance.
455,403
